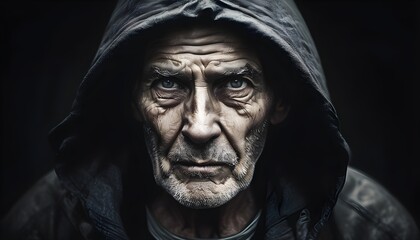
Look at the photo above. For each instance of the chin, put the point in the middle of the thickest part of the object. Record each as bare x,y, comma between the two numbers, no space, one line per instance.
202,194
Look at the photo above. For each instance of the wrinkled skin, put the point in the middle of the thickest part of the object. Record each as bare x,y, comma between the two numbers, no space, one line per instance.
205,108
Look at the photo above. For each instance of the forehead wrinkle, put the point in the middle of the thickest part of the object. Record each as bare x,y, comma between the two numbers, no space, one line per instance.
175,42
209,49
192,39
201,47
195,42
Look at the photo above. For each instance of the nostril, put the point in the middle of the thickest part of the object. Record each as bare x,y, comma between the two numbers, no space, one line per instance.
199,134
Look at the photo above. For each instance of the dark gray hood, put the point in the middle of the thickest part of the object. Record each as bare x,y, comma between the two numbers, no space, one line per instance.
96,140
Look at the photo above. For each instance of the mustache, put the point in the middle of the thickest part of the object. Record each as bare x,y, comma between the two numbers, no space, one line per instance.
208,155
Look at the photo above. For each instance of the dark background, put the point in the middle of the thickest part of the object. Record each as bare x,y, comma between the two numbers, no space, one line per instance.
369,50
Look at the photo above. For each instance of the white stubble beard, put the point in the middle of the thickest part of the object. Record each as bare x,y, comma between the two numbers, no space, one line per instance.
206,194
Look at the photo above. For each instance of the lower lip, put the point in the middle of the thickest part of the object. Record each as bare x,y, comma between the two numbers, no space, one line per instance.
201,172
216,174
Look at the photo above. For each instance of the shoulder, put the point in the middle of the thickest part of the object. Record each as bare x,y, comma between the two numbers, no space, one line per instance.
366,210
36,211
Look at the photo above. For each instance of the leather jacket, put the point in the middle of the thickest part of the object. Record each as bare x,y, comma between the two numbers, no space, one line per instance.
364,210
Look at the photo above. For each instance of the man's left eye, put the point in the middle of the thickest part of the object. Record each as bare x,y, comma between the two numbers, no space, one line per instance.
236,84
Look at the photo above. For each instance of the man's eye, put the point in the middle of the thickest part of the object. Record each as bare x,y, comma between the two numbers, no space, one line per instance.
236,84
168,84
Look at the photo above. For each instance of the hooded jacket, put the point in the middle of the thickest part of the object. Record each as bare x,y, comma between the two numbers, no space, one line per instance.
100,183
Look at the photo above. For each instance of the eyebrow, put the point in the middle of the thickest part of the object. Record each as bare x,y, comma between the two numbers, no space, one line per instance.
247,70
156,72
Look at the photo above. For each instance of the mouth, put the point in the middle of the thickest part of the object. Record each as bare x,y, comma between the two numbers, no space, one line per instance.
202,171
202,163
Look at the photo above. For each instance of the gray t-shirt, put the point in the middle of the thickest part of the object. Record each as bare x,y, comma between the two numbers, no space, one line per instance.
160,233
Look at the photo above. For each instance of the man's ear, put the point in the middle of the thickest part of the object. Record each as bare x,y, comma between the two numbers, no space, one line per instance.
279,113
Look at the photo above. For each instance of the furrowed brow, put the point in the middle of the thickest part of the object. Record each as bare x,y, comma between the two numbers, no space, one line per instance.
247,71
157,72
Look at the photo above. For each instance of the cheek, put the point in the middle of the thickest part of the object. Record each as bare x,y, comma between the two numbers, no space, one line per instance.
169,125
166,122
239,122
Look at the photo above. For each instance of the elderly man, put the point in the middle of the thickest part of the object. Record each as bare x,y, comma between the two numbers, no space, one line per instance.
205,120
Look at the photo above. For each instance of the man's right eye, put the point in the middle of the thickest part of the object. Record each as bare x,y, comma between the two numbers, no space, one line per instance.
167,83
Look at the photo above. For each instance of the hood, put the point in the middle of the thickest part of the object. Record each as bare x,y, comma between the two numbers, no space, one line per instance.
306,156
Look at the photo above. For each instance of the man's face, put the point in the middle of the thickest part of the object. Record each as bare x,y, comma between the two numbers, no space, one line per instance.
205,108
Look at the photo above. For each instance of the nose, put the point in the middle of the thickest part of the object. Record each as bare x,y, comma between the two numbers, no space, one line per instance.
201,123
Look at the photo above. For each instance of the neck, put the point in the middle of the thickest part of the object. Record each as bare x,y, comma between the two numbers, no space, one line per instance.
222,221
